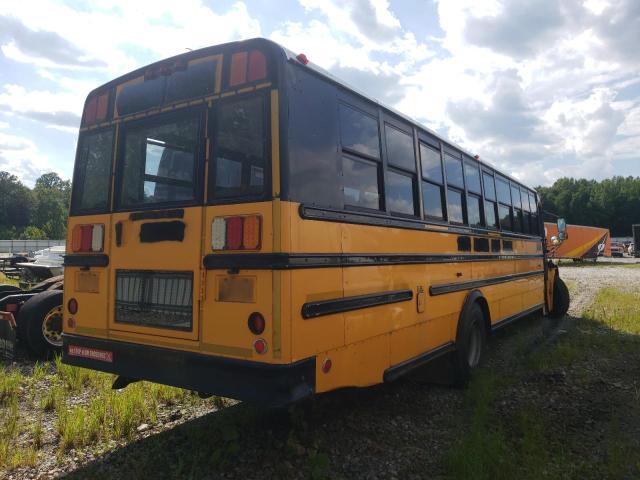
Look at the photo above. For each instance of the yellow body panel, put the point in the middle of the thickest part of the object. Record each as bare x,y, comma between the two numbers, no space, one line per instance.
361,343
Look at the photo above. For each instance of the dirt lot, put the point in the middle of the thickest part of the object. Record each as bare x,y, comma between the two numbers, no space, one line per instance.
552,400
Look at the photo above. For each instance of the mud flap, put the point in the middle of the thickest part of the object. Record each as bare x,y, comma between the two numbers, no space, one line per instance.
7,336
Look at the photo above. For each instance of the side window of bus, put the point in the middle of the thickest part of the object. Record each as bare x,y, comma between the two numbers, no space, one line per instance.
240,149
432,181
535,227
517,208
93,172
526,211
400,176
361,163
504,203
455,187
490,205
474,195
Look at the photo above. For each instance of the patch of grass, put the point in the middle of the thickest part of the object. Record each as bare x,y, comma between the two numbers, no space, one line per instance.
4,280
112,414
593,366
53,398
39,372
9,385
619,310
483,452
76,428
77,379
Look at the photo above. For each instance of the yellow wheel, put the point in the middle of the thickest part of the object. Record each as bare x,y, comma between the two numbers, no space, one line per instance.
40,323
52,327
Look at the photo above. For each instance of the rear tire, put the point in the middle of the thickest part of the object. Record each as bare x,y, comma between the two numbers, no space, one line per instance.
470,343
40,323
560,299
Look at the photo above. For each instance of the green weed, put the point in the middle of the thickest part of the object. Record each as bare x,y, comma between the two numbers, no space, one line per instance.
9,385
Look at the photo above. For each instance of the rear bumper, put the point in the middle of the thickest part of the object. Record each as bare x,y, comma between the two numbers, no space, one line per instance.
263,383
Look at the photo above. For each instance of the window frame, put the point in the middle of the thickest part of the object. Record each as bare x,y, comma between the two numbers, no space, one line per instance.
436,146
479,198
463,205
352,151
446,150
73,209
468,161
385,120
212,127
494,202
375,113
356,208
199,112
500,202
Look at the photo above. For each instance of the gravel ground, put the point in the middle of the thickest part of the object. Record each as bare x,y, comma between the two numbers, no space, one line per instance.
398,430
587,280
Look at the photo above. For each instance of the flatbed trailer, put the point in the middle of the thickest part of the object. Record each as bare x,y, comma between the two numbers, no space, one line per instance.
583,242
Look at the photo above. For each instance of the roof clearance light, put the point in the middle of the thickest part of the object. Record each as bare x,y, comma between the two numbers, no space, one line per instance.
91,111
257,66
238,73
302,58
102,107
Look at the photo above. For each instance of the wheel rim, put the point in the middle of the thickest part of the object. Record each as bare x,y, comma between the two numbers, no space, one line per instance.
475,345
52,326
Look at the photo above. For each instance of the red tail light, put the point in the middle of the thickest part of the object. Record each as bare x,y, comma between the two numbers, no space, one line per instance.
85,237
326,365
260,346
236,233
11,307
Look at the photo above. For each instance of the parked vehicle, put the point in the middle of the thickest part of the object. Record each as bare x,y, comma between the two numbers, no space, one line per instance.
44,264
617,250
36,313
582,243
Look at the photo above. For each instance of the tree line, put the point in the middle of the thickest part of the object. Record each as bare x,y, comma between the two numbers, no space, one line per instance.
613,203
37,213
41,212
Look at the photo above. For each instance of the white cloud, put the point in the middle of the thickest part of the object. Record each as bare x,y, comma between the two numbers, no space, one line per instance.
20,156
532,86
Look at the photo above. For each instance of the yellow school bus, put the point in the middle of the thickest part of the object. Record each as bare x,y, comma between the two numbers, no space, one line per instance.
245,224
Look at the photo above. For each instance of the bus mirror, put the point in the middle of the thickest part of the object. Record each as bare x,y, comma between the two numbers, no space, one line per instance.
562,229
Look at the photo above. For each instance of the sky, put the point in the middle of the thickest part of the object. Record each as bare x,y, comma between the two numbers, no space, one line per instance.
541,89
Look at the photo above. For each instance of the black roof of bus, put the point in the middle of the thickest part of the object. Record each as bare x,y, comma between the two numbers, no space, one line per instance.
289,56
